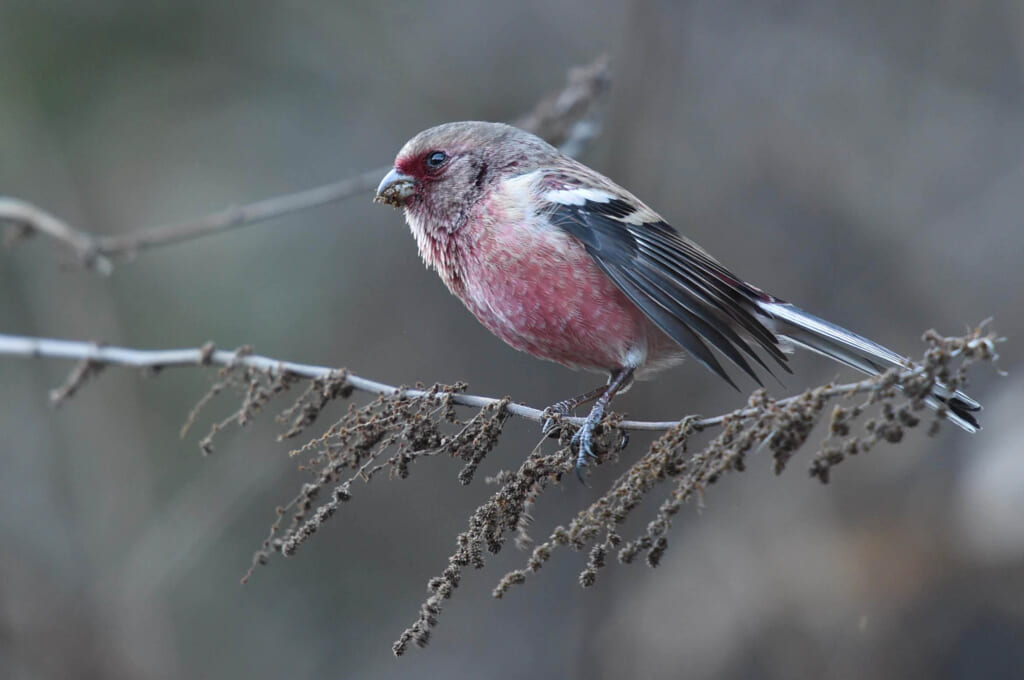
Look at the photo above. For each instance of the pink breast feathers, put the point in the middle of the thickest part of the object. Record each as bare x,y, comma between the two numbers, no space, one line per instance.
537,289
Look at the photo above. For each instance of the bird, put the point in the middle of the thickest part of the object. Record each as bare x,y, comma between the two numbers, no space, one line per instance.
561,262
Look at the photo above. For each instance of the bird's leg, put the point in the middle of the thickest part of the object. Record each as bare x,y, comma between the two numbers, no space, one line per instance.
565,407
584,437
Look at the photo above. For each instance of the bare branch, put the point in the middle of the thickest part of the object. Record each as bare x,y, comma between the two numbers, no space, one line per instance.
571,118
28,220
128,244
95,355
567,119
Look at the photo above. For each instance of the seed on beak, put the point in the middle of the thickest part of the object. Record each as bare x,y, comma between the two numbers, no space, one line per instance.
395,189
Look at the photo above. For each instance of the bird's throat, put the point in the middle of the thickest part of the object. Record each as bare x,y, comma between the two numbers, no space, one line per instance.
440,250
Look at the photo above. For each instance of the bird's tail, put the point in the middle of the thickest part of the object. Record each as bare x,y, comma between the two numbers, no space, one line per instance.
810,332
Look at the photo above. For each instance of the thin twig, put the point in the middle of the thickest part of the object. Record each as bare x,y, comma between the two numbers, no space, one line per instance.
130,243
567,119
28,220
94,354
571,118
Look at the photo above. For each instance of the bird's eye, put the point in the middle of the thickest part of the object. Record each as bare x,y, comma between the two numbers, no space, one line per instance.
436,159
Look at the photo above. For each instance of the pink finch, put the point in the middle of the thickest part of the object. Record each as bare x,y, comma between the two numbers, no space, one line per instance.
560,262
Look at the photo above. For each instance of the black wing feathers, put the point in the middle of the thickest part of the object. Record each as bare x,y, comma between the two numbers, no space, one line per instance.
719,292
684,292
667,320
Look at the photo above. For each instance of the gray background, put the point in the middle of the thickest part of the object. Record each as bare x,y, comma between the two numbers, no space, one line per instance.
864,159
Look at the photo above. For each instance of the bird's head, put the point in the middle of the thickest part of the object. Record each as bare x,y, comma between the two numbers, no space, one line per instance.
441,173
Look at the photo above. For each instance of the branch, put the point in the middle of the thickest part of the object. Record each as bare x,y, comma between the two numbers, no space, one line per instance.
571,118
567,119
28,220
93,356
404,425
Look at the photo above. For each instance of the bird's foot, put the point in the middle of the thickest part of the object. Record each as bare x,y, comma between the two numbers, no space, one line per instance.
583,439
564,408
555,412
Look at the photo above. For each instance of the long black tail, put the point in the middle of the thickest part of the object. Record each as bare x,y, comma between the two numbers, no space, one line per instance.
835,342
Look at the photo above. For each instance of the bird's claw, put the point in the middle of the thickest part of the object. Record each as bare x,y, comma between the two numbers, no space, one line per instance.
552,414
583,440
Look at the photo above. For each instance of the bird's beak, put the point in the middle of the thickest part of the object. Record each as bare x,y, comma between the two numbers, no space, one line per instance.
395,189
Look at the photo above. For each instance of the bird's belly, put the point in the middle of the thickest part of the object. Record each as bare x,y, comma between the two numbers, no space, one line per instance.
548,297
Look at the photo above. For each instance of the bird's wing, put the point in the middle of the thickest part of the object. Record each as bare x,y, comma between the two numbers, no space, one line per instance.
681,288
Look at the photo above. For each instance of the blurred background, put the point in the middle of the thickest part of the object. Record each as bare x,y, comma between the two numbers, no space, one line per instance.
863,159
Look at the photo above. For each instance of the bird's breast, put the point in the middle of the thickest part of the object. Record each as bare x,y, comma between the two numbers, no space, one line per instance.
536,288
